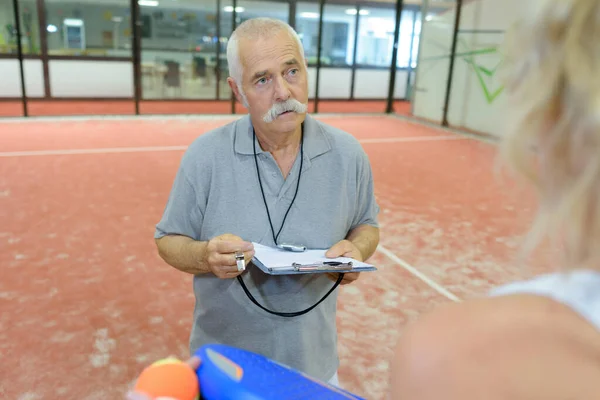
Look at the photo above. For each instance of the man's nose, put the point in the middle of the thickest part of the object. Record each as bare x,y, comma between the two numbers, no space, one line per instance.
282,89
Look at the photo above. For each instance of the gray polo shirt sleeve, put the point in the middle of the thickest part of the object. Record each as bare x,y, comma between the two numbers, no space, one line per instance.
366,203
183,214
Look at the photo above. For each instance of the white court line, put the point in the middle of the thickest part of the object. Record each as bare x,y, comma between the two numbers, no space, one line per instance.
434,285
413,139
148,117
91,151
181,148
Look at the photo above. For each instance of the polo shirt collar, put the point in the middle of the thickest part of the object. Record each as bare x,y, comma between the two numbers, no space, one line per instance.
315,140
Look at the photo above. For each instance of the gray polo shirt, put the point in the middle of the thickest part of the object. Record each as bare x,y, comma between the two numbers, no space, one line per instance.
216,191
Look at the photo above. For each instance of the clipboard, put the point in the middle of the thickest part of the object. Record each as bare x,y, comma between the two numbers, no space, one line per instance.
276,261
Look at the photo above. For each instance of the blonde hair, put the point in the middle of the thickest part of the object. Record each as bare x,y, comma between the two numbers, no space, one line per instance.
552,76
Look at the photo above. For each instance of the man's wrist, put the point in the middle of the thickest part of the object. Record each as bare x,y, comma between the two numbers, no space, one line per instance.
197,250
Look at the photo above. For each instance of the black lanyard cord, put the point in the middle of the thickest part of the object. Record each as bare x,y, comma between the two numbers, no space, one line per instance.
276,236
289,314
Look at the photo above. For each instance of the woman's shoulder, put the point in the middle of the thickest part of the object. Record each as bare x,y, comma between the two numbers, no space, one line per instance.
491,344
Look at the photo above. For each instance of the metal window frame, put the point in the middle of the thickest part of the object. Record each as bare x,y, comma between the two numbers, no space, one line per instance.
136,45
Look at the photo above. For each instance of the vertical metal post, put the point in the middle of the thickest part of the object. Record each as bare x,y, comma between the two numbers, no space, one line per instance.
424,11
218,50
137,50
319,45
42,24
292,14
233,26
410,57
354,51
20,56
390,100
452,58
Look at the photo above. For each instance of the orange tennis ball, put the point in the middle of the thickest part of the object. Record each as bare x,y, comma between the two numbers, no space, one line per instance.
168,378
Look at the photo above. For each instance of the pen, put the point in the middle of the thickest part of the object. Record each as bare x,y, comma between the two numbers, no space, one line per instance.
333,265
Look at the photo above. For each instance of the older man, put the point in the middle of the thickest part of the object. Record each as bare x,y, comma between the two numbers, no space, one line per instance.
274,176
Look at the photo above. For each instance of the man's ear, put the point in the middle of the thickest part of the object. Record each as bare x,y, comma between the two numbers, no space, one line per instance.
235,89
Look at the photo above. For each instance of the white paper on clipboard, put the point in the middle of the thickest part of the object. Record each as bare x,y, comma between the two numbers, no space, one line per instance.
277,260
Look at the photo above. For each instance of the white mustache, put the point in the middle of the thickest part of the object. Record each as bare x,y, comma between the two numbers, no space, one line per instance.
279,108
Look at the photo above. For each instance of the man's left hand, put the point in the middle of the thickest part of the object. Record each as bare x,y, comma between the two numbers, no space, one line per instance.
344,248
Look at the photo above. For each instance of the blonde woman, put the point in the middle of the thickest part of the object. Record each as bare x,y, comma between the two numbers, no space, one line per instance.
536,339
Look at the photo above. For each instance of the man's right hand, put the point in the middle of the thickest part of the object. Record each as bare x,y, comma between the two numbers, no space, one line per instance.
220,255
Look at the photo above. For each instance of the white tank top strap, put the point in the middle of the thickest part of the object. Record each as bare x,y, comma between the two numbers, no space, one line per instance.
579,289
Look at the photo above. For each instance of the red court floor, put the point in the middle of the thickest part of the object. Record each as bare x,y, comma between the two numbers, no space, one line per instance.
86,302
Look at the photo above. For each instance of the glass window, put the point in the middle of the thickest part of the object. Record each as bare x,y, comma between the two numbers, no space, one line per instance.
337,43
376,37
271,9
30,27
30,32
226,27
408,39
8,32
178,50
91,28
307,27
416,36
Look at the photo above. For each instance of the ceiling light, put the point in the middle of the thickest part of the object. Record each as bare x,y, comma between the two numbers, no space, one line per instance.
73,22
51,28
309,15
352,11
237,9
148,3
